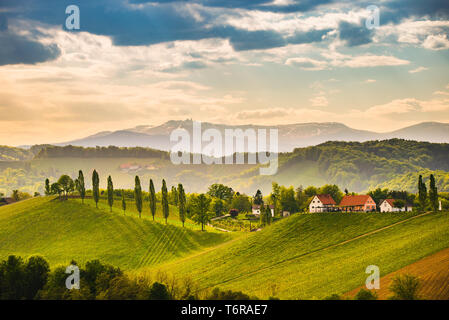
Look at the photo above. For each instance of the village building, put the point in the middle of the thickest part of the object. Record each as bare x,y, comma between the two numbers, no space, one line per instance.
257,207
322,203
388,206
359,203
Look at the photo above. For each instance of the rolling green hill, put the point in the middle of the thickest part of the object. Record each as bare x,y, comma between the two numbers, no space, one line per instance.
359,167
304,256
64,230
314,256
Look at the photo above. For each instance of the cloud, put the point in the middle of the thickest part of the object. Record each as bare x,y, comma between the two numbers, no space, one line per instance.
369,81
419,69
16,48
354,34
319,101
436,42
307,63
369,61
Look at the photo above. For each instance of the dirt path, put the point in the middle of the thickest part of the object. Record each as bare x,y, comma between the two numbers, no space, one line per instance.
433,272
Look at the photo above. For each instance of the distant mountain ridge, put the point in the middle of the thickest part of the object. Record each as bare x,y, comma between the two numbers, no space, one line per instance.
290,136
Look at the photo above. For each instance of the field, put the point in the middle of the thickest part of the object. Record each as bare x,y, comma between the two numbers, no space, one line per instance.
313,256
432,271
305,256
62,231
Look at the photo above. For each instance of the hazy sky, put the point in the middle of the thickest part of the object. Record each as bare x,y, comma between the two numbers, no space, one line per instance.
142,62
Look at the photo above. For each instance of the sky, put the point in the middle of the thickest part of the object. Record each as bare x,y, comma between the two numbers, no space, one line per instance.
143,62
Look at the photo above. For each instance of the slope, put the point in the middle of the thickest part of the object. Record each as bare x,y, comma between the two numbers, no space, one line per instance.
64,230
309,256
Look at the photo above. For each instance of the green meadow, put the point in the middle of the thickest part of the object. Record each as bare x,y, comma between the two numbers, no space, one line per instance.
64,230
305,256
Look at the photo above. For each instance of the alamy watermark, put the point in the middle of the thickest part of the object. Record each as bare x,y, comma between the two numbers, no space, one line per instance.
373,280
229,149
373,20
73,280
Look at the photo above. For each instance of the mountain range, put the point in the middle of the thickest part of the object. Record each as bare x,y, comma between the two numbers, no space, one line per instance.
290,136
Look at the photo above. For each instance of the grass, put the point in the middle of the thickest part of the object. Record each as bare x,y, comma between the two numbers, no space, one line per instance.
64,230
433,274
294,259
305,256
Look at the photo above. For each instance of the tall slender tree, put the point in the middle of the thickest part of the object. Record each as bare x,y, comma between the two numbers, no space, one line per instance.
268,214
165,208
96,187
110,193
138,195
152,197
81,187
47,187
422,194
433,193
123,201
174,195
182,204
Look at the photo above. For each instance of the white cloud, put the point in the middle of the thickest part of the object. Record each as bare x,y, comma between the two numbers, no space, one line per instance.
419,69
370,81
306,63
436,42
319,101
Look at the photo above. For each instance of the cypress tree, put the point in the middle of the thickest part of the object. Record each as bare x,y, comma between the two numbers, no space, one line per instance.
110,193
422,194
138,195
47,187
433,194
152,197
165,208
96,187
123,201
182,204
81,186
268,214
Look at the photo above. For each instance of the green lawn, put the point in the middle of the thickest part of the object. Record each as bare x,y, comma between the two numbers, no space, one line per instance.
64,230
288,260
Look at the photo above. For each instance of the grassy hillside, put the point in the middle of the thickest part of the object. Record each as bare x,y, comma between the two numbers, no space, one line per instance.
356,166
62,231
299,257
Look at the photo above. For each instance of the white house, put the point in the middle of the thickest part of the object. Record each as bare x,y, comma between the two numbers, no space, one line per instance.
257,207
388,206
322,203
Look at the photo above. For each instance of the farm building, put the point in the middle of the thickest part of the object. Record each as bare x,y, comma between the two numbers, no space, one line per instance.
322,203
256,209
359,203
388,206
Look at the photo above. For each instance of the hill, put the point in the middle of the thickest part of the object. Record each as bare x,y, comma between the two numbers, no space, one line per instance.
314,256
357,166
64,230
290,136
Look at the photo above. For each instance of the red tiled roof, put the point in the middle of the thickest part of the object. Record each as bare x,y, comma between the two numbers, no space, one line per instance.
326,198
354,200
390,201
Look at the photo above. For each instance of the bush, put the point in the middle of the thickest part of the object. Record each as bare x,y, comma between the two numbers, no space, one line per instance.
158,292
405,287
333,297
365,294
218,294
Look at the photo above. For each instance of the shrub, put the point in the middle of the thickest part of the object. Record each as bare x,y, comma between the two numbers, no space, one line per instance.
405,287
365,294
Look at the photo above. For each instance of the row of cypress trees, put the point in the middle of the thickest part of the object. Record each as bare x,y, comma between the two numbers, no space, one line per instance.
432,195
138,197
